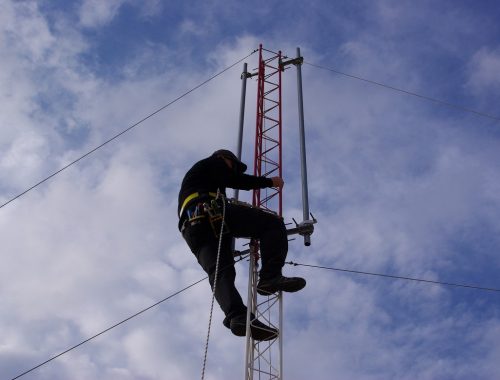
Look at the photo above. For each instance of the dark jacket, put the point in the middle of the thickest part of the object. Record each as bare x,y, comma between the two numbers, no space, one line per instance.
212,173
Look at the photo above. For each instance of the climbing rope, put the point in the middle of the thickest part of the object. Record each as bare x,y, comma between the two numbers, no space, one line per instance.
219,195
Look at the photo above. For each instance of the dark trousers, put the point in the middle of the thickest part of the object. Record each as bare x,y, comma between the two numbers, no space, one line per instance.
241,221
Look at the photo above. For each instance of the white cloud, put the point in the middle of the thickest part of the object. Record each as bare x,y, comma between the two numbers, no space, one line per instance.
394,186
24,158
26,29
191,27
485,70
95,13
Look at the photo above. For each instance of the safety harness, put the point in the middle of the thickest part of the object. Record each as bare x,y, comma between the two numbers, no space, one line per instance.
212,210
191,197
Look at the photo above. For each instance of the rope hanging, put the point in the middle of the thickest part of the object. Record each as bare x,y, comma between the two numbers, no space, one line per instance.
219,195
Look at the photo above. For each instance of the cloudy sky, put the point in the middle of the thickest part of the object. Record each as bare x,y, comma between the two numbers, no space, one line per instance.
400,185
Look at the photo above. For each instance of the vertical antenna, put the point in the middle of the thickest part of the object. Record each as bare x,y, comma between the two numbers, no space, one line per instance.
303,164
244,76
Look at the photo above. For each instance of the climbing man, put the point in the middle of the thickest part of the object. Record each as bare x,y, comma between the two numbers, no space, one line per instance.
202,209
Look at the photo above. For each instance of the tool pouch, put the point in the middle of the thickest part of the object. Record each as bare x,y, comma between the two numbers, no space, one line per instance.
214,211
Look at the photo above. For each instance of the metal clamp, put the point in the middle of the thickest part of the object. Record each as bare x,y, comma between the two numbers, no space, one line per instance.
305,229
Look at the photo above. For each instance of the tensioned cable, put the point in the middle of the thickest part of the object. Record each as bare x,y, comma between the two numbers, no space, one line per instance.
396,277
126,130
438,101
242,257
108,329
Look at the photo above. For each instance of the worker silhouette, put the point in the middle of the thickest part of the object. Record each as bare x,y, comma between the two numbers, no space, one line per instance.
200,218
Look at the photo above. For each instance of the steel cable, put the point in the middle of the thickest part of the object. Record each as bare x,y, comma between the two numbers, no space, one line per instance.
124,131
396,277
438,101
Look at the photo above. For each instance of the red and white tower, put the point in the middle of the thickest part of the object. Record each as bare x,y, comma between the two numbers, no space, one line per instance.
264,360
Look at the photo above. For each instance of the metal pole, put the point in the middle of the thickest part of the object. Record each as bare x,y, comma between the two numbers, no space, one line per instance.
251,302
280,337
303,163
244,76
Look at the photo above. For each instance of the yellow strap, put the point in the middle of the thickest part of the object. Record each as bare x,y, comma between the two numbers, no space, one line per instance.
190,197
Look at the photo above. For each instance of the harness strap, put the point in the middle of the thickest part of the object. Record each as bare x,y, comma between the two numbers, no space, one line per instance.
190,197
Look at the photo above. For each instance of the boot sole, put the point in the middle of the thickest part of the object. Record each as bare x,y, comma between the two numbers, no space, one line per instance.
262,334
258,333
290,288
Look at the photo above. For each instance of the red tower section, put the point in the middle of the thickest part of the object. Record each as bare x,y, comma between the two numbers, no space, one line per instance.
268,156
265,358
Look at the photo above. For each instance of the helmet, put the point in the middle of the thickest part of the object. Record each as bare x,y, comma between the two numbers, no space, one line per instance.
238,165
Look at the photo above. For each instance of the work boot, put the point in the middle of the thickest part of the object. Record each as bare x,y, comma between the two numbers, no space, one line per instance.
280,283
258,330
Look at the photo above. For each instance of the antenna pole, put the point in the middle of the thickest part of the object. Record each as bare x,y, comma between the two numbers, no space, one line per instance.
303,164
244,76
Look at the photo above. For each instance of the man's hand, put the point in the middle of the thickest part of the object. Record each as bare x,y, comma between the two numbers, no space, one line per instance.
278,182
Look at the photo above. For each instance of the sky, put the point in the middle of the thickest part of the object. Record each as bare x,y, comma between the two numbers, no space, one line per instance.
400,185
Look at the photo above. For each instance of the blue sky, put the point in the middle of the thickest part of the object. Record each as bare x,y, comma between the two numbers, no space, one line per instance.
400,185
